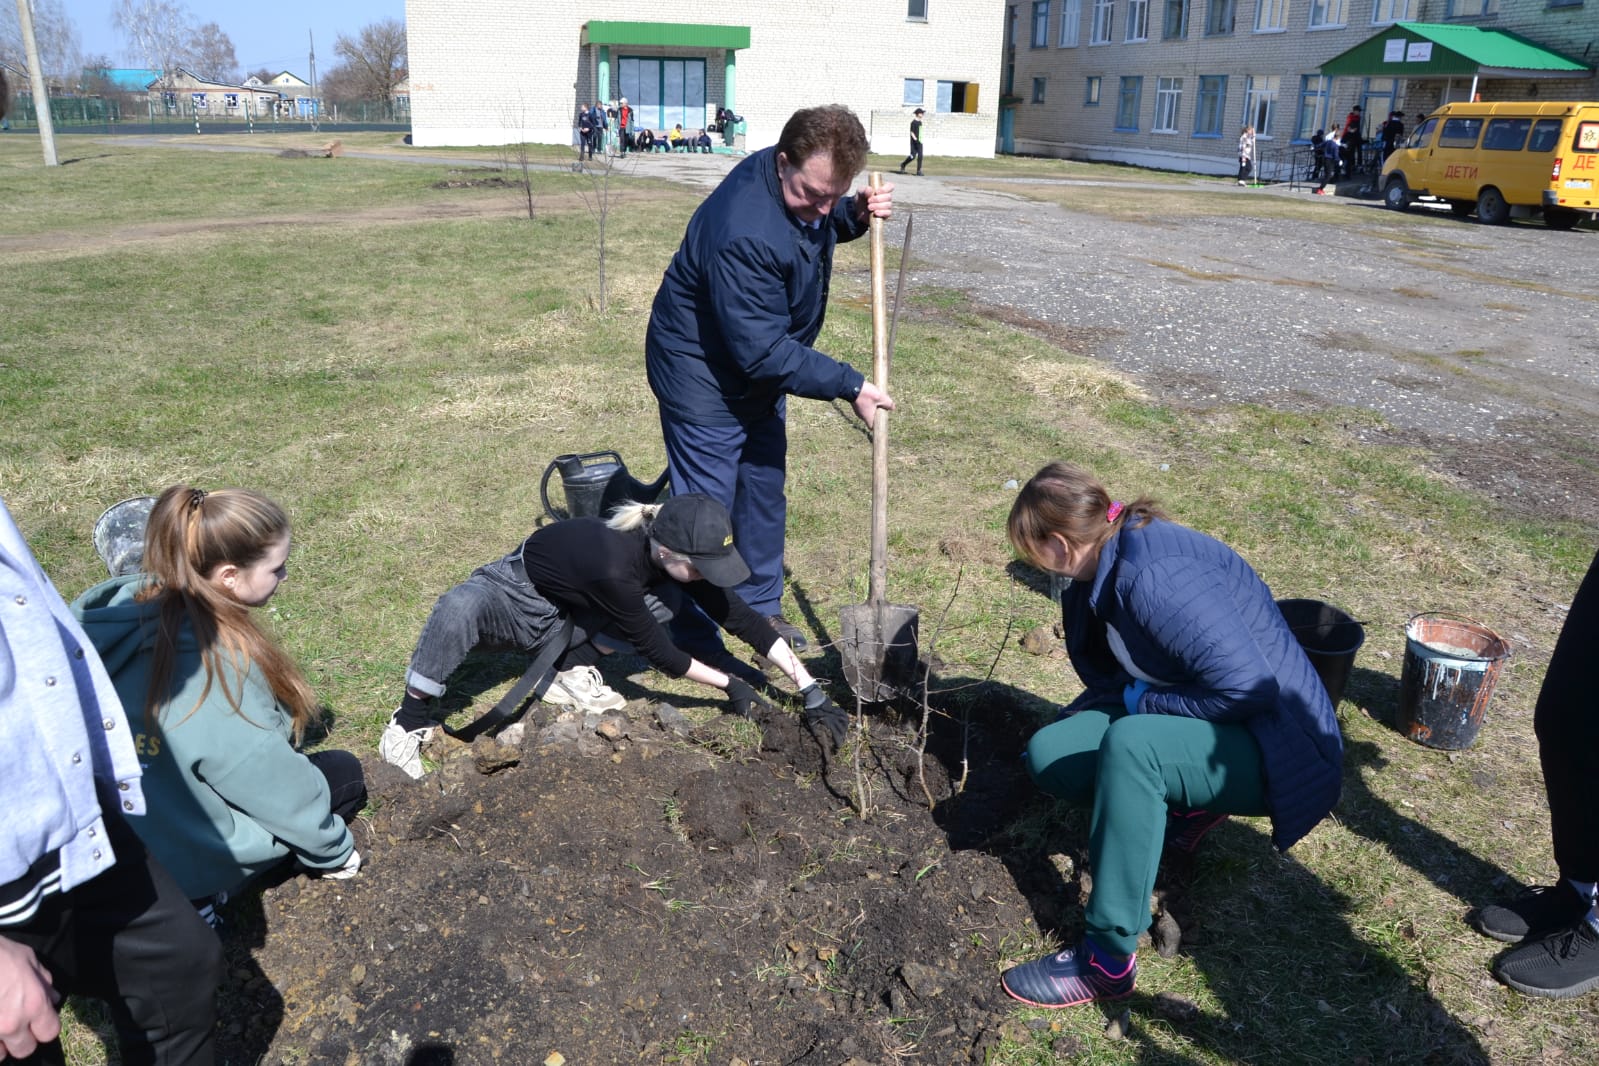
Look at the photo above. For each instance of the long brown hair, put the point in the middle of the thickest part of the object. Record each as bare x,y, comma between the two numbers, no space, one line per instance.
191,533
1066,499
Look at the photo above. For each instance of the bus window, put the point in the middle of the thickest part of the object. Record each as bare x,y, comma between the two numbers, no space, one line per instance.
1460,133
1545,135
1587,139
1506,134
1423,134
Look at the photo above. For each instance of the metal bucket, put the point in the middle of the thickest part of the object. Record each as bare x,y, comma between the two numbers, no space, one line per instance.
1330,638
119,535
1451,665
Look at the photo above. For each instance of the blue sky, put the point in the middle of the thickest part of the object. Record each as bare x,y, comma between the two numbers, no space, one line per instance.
271,35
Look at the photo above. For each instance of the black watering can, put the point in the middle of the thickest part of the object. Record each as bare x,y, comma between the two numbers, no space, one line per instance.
596,482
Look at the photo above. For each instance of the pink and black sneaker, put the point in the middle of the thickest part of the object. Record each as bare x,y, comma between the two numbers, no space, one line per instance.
1186,828
1081,975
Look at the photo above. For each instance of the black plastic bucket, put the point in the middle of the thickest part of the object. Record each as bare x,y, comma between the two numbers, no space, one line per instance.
1451,665
1330,638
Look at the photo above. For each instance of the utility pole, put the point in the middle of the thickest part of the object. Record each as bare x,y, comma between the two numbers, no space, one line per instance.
41,98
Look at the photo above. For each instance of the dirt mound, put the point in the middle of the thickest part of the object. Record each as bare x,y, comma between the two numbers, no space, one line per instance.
617,893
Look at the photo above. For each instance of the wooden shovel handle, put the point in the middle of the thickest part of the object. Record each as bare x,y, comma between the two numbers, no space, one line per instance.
877,578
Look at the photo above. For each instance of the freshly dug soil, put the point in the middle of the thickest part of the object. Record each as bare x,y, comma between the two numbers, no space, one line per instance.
658,897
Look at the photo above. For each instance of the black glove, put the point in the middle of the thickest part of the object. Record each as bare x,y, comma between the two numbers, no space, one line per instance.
742,697
823,713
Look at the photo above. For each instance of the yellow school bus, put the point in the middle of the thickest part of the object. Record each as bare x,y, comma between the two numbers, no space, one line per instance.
1529,157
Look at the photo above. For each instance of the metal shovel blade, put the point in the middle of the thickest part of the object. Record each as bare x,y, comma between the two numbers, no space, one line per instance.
878,646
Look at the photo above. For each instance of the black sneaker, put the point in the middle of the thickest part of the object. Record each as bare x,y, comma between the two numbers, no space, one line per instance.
789,632
1068,978
1534,914
1559,966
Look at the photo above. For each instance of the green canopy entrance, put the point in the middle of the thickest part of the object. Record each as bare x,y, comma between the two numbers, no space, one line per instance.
1439,50
666,34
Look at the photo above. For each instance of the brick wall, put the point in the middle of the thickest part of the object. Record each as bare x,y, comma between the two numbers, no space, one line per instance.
496,71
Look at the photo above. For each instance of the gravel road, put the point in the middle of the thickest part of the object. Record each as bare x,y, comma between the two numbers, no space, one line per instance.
1478,343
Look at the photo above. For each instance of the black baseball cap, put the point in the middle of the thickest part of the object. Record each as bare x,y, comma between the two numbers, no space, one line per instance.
918,111
697,526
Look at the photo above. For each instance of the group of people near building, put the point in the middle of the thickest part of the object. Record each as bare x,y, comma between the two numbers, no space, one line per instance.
153,728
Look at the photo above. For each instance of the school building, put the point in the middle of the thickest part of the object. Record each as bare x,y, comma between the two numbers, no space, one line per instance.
1171,83
506,71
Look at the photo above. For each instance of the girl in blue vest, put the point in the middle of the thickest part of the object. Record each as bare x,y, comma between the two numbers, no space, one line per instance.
1197,703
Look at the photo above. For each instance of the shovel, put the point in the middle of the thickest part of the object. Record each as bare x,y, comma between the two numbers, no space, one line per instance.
878,639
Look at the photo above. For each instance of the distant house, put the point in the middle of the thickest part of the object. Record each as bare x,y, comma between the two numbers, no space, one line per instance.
184,93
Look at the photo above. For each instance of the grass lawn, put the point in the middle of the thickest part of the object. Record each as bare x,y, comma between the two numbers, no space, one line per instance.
397,362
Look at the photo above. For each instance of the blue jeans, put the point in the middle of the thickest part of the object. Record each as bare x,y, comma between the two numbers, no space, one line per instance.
743,467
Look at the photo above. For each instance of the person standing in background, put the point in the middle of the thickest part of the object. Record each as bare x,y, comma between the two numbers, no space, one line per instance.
916,142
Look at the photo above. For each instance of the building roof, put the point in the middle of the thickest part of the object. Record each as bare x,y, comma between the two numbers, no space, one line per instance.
127,79
1431,49
666,34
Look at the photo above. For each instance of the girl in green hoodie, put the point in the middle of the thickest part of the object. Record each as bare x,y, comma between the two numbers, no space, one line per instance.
228,795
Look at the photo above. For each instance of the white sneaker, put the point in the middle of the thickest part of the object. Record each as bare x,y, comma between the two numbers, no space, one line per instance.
404,749
583,688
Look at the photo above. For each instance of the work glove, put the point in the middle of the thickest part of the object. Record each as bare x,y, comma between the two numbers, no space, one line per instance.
823,713
351,867
742,697
1133,693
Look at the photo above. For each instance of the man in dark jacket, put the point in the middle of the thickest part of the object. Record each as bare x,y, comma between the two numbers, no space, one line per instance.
731,335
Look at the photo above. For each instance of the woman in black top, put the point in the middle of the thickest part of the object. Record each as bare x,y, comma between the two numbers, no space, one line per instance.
600,586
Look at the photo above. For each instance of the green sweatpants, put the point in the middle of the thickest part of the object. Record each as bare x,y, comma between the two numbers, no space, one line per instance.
1132,768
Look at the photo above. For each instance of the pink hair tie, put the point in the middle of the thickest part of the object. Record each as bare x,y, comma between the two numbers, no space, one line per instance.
1114,511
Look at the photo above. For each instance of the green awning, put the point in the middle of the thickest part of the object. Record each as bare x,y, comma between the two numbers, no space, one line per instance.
1439,50
667,34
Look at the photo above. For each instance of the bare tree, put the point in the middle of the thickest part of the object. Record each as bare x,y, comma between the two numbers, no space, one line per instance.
157,32
212,52
55,35
262,74
376,58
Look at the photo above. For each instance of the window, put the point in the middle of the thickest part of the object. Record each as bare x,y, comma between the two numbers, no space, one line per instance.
1586,137
1506,134
1328,13
1038,90
1041,24
1091,92
1104,15
1313,93
1219,17
1168,102
1391,10
1272,15
1127,104
1138,20
913,91
1212,105
1545,135
1260,100
1010,27
1071,18
958,97
916,9
664,92
1175,28
1460,133
1463,9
